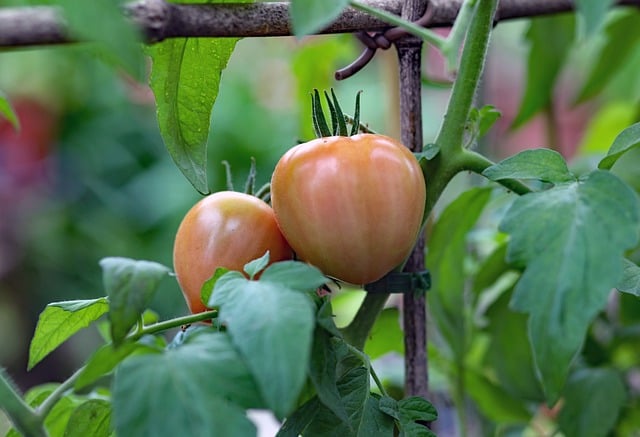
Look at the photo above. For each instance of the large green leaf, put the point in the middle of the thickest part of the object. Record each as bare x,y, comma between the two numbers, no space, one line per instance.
571,239
103,22
622,34
593,400
445,260
59,321
130,285
271,323
542,164
550,39
185,80
627,139
198,388
592,15
411,415
310,16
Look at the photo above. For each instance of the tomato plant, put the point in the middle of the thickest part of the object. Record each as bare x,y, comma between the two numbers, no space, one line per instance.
225,229
351,206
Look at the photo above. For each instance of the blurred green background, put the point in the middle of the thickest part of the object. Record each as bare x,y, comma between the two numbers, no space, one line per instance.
88,175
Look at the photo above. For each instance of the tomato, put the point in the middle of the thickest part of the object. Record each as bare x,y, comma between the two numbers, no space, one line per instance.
225,229
351,206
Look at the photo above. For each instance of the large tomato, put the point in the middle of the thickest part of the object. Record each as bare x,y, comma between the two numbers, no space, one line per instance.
351,206
225,229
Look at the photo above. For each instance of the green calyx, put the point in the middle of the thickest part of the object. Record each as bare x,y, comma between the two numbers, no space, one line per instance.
337,118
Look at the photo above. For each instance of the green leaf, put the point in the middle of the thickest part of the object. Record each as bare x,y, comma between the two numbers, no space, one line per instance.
193,389
322,372
365,417
6,110
325,319
445,261
311,16
271,323
508,336
571,239
493,401
209,285
103,22
627,140
542,164
411,414
622,34
386,335
480,121
58,418
59,321
252,268
550,39
413,410
92,418
592,15
297,275
630,282
593,399
298,421
130,285
185,80
429,151
105,359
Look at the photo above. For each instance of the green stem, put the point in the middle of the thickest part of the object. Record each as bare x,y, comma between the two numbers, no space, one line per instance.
452,44
421,32
460,393
367,362
23,417
45,407
358,330
173,323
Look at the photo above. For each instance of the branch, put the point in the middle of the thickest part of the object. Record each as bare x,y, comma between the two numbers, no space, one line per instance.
158,20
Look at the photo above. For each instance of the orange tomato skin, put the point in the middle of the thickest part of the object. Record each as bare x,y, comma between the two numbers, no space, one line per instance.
351,206
225,229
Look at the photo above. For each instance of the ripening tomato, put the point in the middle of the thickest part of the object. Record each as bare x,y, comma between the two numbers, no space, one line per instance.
225,229
351,206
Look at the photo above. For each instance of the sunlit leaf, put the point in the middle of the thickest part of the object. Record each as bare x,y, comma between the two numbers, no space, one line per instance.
185,79
571,239
625,141
6,111
59,321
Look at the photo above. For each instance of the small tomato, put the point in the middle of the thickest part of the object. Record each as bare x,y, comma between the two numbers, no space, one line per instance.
351,206
225,229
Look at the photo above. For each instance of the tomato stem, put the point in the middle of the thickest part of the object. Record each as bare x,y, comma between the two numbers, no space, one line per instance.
478,163
23,417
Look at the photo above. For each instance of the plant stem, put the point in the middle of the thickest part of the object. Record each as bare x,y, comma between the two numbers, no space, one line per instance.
453,42
358,330
421,32
45,407
173,323
23,417
460,394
